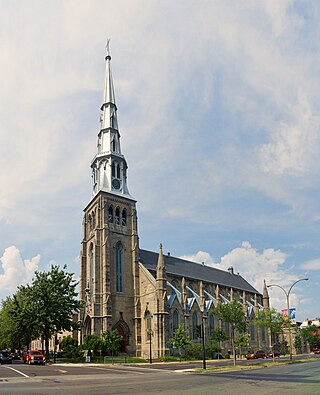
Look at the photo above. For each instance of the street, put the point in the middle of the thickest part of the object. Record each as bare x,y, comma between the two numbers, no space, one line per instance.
299,378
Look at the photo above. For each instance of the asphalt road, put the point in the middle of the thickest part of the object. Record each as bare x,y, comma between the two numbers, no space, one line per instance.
293,379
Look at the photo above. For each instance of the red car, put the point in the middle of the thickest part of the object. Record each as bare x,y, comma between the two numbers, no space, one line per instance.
256,355
316,351
33,357
270,354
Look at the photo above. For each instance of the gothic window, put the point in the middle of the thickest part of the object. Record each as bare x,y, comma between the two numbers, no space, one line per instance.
263,333
90,222
190,294
227,328
91,262
110,215
175,320
113,145
194,326
119,267
93,220
118,171
211,323
117,216
124,217
252,337
113,169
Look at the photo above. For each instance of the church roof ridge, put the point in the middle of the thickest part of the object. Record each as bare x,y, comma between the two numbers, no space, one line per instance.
192,270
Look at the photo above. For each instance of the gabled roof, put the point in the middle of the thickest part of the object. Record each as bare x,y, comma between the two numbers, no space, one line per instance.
195,271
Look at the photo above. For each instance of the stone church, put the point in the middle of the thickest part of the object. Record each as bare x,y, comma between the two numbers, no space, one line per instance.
145,295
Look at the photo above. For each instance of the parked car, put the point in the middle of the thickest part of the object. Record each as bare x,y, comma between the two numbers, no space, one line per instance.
33,357
256,355
5,357
316,351
270,354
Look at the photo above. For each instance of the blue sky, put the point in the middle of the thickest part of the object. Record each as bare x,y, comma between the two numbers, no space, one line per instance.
218,108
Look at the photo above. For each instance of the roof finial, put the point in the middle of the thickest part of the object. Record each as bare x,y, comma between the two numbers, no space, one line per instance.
108,57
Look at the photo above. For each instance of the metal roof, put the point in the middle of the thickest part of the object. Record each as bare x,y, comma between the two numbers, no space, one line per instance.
195,271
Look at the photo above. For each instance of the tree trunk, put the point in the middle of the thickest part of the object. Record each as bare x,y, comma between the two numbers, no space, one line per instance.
46,344
233,348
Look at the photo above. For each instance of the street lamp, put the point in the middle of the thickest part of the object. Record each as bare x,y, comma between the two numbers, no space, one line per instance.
288,307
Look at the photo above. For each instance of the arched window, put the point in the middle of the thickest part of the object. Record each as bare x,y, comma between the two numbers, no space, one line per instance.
252,334
211,323
175,320
263,333
117,216
227,328
110,215
93,220
90,222
113,170
124,217
119,267
113,145
91,268
118,171
194,326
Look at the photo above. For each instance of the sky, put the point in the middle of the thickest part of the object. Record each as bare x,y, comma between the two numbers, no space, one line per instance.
219,113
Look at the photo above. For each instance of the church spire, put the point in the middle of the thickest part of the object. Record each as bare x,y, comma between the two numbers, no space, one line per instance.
109,167
265,296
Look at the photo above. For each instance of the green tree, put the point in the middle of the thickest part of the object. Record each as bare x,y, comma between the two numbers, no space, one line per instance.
180,339
217,336
52,296
272,321
111,341
92,343
69,345
234,314
311,335
17,321
241,340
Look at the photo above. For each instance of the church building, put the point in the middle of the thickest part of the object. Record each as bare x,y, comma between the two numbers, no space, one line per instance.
145,295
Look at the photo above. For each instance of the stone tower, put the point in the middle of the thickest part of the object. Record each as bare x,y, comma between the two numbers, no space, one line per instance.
109,254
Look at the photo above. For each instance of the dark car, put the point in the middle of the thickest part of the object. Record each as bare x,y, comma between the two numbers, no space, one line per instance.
34,357
256,355
270,354
5,357
316,351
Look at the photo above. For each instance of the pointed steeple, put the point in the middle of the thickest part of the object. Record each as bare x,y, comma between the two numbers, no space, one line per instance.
161,282
265,296
161,269
109,167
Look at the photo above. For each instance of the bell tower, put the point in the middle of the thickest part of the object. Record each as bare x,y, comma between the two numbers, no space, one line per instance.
110,246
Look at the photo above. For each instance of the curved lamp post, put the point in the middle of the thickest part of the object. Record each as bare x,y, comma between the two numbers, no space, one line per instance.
288,307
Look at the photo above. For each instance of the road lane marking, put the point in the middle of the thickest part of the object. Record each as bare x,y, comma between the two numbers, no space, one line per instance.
17,371
113,369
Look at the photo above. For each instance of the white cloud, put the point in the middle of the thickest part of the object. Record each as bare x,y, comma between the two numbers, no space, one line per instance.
255,267
294,146
16,271
311,265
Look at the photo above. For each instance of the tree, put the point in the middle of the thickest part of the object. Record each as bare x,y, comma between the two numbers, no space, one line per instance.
234,314
92,343
52,296
69,345
111,341
17,321
217,336
273,321
311,335
241,340
180,339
